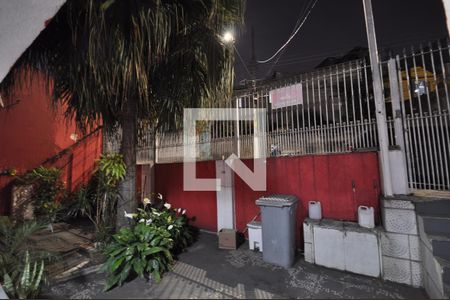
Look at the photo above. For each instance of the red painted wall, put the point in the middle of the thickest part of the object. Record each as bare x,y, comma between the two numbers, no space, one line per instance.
326,178
341,182
31,132
199,205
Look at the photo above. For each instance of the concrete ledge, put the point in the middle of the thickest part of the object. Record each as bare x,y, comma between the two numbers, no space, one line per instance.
309,253
397,270
395,203
399,220
432,271
374,252
342,245
395,245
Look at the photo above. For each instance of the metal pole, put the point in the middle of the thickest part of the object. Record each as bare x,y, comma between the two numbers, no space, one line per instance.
238,138
379,101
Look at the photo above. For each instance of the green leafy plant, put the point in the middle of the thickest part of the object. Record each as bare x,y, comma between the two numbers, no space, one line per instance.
14,241
97,201
174,220
20,268
25,283
115,62
48,187
142,250
112,168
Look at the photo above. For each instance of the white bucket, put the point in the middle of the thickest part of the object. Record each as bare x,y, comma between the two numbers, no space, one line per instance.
315,210
366,217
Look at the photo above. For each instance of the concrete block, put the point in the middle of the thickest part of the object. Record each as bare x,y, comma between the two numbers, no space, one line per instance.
308,232
395,245
397,270
416,274
309,253
399,221
431,288
362,253
422,235
432,268
329,247
400,204
399,175
414,248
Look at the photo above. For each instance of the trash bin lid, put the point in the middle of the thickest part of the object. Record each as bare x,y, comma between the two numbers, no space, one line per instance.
277,200
254,225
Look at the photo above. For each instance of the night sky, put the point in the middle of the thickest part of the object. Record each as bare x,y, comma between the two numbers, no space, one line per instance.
333,28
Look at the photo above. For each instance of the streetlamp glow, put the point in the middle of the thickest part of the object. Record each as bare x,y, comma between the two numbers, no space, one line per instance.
228,37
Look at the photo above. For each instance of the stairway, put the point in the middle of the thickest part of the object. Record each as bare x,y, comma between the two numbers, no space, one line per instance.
433,219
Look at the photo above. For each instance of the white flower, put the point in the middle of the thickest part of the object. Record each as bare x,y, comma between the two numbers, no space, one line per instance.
146,201
179,210
170,227
159,196
167,205
147,222
129,216
184,211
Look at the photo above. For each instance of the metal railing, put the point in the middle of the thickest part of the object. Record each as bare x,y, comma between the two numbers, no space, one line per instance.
335,113
426,114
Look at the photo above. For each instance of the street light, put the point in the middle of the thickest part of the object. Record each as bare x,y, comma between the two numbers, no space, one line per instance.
228,37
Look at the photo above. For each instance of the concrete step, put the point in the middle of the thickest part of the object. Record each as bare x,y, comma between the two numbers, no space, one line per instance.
446,275
441,246
445,268
433,207
436,225
435,269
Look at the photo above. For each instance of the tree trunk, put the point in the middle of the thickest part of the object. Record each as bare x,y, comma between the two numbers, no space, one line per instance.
127,199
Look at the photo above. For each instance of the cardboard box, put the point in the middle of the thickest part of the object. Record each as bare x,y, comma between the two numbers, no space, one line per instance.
228,239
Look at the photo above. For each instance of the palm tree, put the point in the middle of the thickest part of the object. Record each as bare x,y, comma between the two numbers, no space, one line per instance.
115,62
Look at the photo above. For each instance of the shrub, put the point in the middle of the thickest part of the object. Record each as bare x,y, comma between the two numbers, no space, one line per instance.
174,220
48,187
21,271
97,200
25,283
145,248
141,250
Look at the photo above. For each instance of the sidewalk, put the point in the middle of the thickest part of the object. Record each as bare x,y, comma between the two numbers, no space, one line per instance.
207,272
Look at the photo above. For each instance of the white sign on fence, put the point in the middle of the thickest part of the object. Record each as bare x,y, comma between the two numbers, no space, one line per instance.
287,96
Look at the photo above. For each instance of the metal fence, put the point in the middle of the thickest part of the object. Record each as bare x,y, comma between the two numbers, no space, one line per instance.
334,112
424,74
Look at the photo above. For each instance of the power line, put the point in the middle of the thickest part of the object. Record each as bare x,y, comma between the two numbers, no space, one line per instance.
300,16
291,37
296,59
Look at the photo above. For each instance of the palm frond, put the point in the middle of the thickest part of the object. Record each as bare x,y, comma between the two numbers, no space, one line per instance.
160,55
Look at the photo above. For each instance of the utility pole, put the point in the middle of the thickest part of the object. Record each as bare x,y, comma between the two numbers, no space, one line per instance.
379,101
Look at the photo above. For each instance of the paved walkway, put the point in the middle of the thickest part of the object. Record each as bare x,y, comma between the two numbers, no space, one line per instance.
207,272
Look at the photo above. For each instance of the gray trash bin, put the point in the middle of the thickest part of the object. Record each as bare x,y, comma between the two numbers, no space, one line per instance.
278,214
